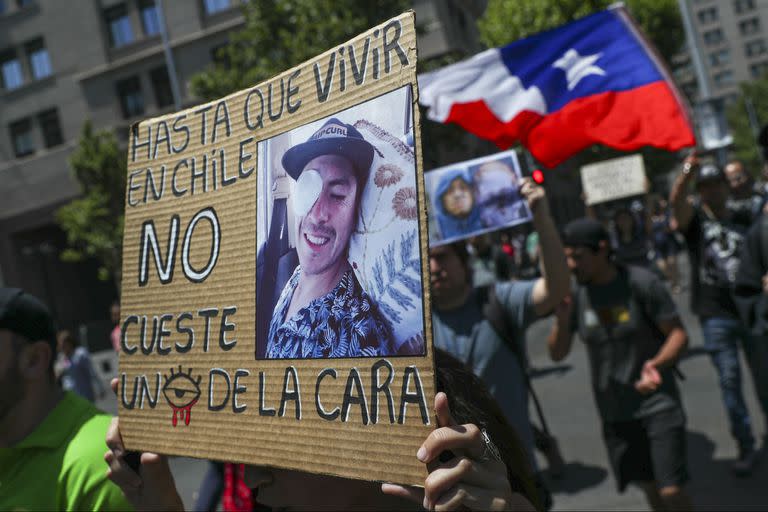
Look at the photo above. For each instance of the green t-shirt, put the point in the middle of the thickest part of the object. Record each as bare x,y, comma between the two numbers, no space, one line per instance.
60,466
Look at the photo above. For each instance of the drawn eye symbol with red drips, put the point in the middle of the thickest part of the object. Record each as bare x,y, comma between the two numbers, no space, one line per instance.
182,392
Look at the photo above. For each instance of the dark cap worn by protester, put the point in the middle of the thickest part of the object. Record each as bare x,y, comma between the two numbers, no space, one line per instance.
25,315
709,173
333,138
584,232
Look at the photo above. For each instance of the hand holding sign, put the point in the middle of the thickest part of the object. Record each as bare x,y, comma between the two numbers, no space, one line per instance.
153,487
474,478
534,194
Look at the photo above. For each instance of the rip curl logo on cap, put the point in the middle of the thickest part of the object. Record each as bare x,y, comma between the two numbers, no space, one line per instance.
332,130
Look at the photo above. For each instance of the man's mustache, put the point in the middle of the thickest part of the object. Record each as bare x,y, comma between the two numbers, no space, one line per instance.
319,229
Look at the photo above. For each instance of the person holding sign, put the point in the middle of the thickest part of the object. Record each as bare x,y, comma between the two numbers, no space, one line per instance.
462,328
473,458
323,311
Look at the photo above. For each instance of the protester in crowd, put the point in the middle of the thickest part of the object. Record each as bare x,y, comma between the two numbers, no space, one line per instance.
665,244
75,369
714,228
630,243
114,335
744,193
751,296
634,337
487,470
51,442
462,328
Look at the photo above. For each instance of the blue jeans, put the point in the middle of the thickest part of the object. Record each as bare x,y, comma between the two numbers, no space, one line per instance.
722,336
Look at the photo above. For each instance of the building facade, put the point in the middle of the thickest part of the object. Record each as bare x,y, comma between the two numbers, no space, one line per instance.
731,37
62,63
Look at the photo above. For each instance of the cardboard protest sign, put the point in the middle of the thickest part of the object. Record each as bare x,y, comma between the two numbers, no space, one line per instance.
474,197
275,301
613,179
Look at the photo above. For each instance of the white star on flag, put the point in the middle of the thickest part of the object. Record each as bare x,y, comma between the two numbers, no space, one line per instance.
577,67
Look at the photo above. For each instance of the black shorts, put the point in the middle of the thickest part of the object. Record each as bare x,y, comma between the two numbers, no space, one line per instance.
648,449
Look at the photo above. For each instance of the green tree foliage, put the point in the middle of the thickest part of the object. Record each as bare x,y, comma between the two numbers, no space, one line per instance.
504,21
745,146
93,223
280,34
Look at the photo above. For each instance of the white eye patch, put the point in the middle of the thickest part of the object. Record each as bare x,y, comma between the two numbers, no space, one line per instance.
308,189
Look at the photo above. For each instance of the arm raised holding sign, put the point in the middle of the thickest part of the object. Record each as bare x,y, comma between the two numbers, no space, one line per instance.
466,468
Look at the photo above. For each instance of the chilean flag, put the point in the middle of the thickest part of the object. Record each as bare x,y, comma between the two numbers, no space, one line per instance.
595,80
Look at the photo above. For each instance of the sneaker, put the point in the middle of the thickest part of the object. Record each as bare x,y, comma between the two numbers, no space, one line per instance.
746,462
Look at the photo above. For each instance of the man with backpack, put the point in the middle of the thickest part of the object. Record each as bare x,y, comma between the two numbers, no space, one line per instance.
634,337
485,328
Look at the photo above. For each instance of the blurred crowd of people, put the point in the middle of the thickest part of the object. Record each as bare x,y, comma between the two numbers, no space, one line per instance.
609,278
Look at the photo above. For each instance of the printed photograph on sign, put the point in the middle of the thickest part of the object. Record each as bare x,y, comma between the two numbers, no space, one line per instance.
338,259
474,197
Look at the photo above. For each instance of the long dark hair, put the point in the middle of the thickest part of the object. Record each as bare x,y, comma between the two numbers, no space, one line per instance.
470,402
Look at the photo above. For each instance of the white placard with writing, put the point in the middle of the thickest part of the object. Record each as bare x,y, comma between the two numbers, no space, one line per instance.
613,179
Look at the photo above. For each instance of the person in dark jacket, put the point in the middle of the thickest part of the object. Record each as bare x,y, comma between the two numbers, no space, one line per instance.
751,297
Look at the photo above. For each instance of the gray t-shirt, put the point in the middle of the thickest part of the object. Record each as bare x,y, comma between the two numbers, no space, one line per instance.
469,337
618,322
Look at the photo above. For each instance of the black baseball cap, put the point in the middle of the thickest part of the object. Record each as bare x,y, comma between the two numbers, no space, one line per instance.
584,232
333,138
26,316
709,173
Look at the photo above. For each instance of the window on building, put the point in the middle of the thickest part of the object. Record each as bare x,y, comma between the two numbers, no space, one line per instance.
161,85
150,21
756,47
39,61
750,26
214,6
720,57
712,37
24,3
724,78
759,69
10,67
131,97
21,137
708,15
51,128
119,25
742,6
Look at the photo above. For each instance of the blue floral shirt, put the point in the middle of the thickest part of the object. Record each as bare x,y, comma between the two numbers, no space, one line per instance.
345,322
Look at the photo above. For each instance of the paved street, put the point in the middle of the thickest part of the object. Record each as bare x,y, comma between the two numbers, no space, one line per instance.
565,393
588,484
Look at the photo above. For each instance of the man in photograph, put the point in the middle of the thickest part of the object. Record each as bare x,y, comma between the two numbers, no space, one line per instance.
323,311
497,194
